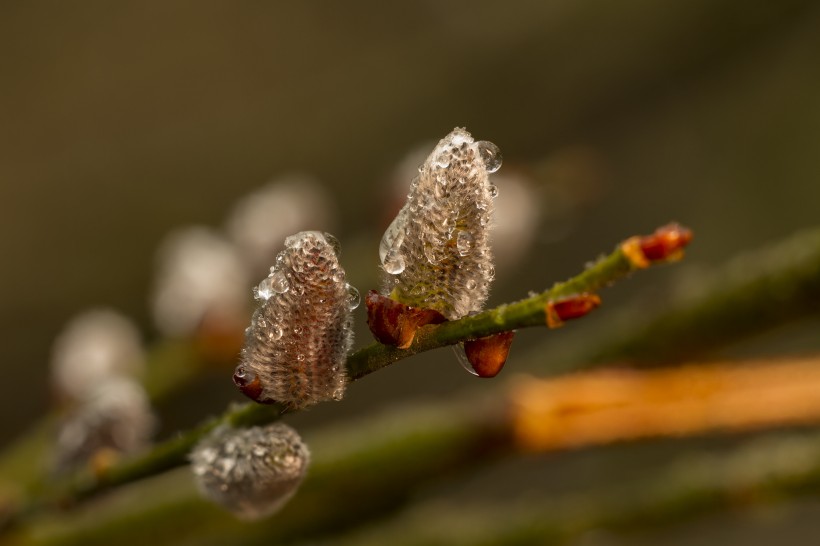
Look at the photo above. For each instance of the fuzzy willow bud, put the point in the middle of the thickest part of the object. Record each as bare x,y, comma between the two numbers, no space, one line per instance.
115,418
94,347
252,472
296,346
437,251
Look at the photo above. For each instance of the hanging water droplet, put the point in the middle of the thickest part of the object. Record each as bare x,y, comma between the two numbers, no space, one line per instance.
461,356
493,189
279,282
394,263
334,243
393,238
264,290
464,242
490,155
353,297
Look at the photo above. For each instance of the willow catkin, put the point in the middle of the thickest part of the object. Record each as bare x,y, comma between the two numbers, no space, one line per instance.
251,472
296,346
436,252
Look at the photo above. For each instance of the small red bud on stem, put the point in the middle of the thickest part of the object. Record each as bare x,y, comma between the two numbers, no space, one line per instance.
487,355
573,307
665,245
394,323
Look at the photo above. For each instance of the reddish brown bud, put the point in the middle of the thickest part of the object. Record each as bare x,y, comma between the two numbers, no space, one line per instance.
394,323
570,308
487,355
665,245
248,382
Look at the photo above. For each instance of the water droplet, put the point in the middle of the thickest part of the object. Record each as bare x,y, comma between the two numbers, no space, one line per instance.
334,243
490,155
353,297
464,242
394,263
471,284
493,189
441,162
390,246
431,255
297,330
461,356
279,282
275,333
338,276
294,241
300,357
264,290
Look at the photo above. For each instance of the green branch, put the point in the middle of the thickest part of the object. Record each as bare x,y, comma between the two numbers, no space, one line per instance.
751,294
173,453
758,471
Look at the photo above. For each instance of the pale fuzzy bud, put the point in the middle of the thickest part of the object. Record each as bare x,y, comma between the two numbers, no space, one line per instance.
115,417
251,472
517,215
297,344
93,347
261,220
437,250
199,274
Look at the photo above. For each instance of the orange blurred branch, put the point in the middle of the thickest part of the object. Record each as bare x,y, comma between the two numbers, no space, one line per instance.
603,406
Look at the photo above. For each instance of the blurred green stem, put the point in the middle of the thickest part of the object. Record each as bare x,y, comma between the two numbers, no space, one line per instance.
174,452
751,294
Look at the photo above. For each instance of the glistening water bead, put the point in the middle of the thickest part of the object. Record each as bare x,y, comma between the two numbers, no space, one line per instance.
297,344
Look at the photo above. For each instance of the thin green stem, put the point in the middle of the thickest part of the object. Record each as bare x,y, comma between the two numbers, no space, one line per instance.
174,452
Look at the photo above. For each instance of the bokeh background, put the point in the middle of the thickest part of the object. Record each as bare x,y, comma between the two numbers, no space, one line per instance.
120,121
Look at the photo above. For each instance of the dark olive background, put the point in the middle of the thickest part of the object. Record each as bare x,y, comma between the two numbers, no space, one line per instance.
122,120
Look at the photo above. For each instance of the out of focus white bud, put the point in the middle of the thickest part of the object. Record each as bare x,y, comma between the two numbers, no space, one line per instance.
260,221
92,348
200,276
114,418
